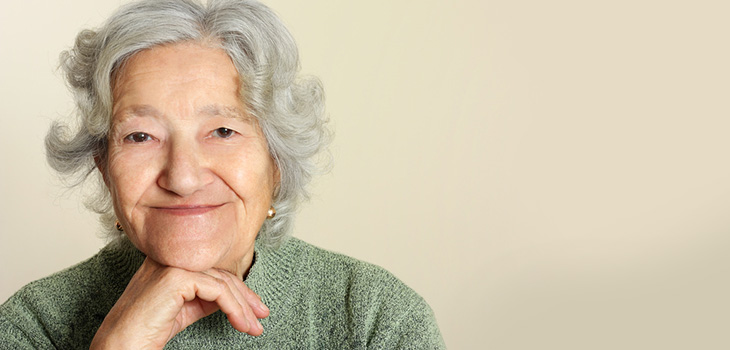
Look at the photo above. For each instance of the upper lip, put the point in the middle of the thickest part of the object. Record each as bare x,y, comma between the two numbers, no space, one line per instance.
186,206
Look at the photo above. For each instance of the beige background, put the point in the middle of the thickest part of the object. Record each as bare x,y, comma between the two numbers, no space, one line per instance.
547,174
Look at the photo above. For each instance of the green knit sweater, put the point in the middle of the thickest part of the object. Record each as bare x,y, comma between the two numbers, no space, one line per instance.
318,300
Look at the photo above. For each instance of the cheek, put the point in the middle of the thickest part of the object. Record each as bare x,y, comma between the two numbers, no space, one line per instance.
250,178
128,179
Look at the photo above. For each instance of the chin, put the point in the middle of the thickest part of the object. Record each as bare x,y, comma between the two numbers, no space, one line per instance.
198,245
188,257
190,263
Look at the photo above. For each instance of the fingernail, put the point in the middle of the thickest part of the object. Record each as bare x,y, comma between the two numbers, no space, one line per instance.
264,307
258,324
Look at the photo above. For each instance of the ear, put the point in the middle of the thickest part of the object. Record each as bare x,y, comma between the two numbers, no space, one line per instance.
101,166
277,180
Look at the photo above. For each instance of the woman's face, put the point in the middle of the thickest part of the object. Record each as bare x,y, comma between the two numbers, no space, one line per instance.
188,169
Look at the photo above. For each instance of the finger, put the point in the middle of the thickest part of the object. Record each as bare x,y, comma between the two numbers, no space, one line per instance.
251,298
216,290
259,308
230,279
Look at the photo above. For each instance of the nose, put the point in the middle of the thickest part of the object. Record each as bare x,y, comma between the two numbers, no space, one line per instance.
184,171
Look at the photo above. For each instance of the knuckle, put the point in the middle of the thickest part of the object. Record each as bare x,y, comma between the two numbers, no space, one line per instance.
221,285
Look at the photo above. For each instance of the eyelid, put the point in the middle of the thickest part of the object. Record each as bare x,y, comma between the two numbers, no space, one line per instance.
129,137
215,131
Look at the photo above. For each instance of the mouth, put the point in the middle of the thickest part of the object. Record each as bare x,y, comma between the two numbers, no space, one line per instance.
187,210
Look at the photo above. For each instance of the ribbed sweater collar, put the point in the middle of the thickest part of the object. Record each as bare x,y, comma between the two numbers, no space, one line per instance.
275,273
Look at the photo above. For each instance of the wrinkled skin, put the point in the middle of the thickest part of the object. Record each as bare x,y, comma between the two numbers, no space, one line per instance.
191,180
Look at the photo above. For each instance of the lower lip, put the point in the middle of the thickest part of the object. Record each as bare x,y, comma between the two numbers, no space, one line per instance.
188,211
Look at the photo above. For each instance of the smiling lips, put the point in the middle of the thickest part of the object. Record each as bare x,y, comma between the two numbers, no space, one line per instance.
188,210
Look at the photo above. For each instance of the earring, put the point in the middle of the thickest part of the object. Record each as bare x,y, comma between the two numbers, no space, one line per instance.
271,213
119,227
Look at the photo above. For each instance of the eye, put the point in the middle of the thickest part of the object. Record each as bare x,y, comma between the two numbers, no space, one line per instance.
223,133
138,137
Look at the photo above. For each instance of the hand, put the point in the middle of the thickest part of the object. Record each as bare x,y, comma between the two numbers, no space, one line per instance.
160,301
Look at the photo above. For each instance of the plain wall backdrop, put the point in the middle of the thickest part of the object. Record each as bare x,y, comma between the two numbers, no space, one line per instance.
547,174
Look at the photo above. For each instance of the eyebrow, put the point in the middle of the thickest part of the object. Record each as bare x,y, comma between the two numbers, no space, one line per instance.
210,110
138,111
224,111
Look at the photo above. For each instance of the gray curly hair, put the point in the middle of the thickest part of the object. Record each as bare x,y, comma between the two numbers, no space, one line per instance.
289,109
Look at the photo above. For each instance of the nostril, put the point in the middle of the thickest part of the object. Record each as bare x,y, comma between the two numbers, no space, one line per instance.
183,174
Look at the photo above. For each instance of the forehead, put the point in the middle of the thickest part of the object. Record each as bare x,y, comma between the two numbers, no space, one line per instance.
160,71
187,52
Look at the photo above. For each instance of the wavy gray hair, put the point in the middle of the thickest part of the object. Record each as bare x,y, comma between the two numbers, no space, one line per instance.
289,109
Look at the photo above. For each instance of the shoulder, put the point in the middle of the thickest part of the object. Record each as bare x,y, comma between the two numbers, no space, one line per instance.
63,306
337,270
39,312
382,308
101,273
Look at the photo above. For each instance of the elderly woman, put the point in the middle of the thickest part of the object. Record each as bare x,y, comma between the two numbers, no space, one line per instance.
203,138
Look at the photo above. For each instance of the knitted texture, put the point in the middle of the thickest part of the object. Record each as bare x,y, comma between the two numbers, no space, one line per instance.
318,300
